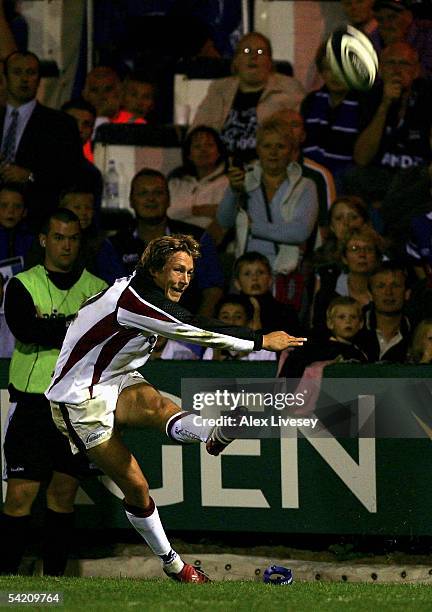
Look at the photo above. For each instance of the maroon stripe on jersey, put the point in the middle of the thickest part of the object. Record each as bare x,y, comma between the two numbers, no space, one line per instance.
109,351
103,329
130,302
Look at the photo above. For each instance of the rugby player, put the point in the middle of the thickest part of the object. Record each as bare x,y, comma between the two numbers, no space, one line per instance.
96,389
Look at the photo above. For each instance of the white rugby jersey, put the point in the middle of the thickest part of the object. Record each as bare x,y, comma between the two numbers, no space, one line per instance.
115,331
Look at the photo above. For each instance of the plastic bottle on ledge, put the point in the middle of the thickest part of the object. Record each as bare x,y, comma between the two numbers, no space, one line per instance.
111,187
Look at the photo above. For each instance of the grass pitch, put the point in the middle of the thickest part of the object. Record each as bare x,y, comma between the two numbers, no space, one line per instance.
161,595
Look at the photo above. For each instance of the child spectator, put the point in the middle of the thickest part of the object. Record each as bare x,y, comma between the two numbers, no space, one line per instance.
253,278
236,310
344,320
15,242
420,350
15,239
97,253
139,97
7,341
89,176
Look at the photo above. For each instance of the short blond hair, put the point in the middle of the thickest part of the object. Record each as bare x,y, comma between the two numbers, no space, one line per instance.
416,349
366,233
343,300
275,125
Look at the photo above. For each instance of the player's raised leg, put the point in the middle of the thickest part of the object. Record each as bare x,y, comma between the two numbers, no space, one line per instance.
141,405
116,460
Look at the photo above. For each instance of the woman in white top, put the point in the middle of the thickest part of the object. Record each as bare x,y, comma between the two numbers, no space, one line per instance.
197,187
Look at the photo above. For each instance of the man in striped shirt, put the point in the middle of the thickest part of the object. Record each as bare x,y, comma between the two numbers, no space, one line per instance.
96,388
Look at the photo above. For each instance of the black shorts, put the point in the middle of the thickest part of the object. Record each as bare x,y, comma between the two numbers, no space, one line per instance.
34,448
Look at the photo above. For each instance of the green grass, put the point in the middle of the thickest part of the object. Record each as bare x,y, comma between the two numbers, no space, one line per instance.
159,595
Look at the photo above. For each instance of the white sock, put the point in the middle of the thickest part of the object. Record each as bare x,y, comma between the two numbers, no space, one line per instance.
151,529
182,428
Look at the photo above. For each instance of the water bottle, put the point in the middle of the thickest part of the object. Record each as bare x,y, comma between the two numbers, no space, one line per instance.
111,190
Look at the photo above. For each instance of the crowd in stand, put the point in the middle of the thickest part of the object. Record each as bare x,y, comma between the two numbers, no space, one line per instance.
319,189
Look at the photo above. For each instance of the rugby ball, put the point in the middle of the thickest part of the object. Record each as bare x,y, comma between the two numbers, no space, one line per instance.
352,58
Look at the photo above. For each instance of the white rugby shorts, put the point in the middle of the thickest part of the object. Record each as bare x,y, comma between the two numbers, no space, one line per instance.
92,422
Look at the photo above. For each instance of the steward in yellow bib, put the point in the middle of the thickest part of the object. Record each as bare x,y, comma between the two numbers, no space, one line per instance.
38,305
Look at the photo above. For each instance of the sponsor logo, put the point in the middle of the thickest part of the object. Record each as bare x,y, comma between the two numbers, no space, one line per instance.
94,436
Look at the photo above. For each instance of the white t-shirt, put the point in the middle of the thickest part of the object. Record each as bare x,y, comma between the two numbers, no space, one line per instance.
188,191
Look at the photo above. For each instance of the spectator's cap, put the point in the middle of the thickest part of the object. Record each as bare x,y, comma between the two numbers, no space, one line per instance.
394,5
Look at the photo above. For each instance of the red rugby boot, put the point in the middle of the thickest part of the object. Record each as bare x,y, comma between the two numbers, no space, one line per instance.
189,573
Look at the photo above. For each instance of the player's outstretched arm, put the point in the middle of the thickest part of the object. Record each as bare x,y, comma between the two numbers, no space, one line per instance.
280,340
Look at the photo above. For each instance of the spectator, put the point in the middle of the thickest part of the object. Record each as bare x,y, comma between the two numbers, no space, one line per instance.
236,310
331,117
344,319
394,140
360,253
396,24
97,253
197,187
387,332
15,239
273,207
39,303
40,146
7,341
253,278
149,198
89,176
15,242
103,90
346,213
420,350
419,245
236,105
139,97
360,14
319,174
8,43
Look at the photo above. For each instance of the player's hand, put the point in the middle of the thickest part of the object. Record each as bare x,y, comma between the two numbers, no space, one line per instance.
280,340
